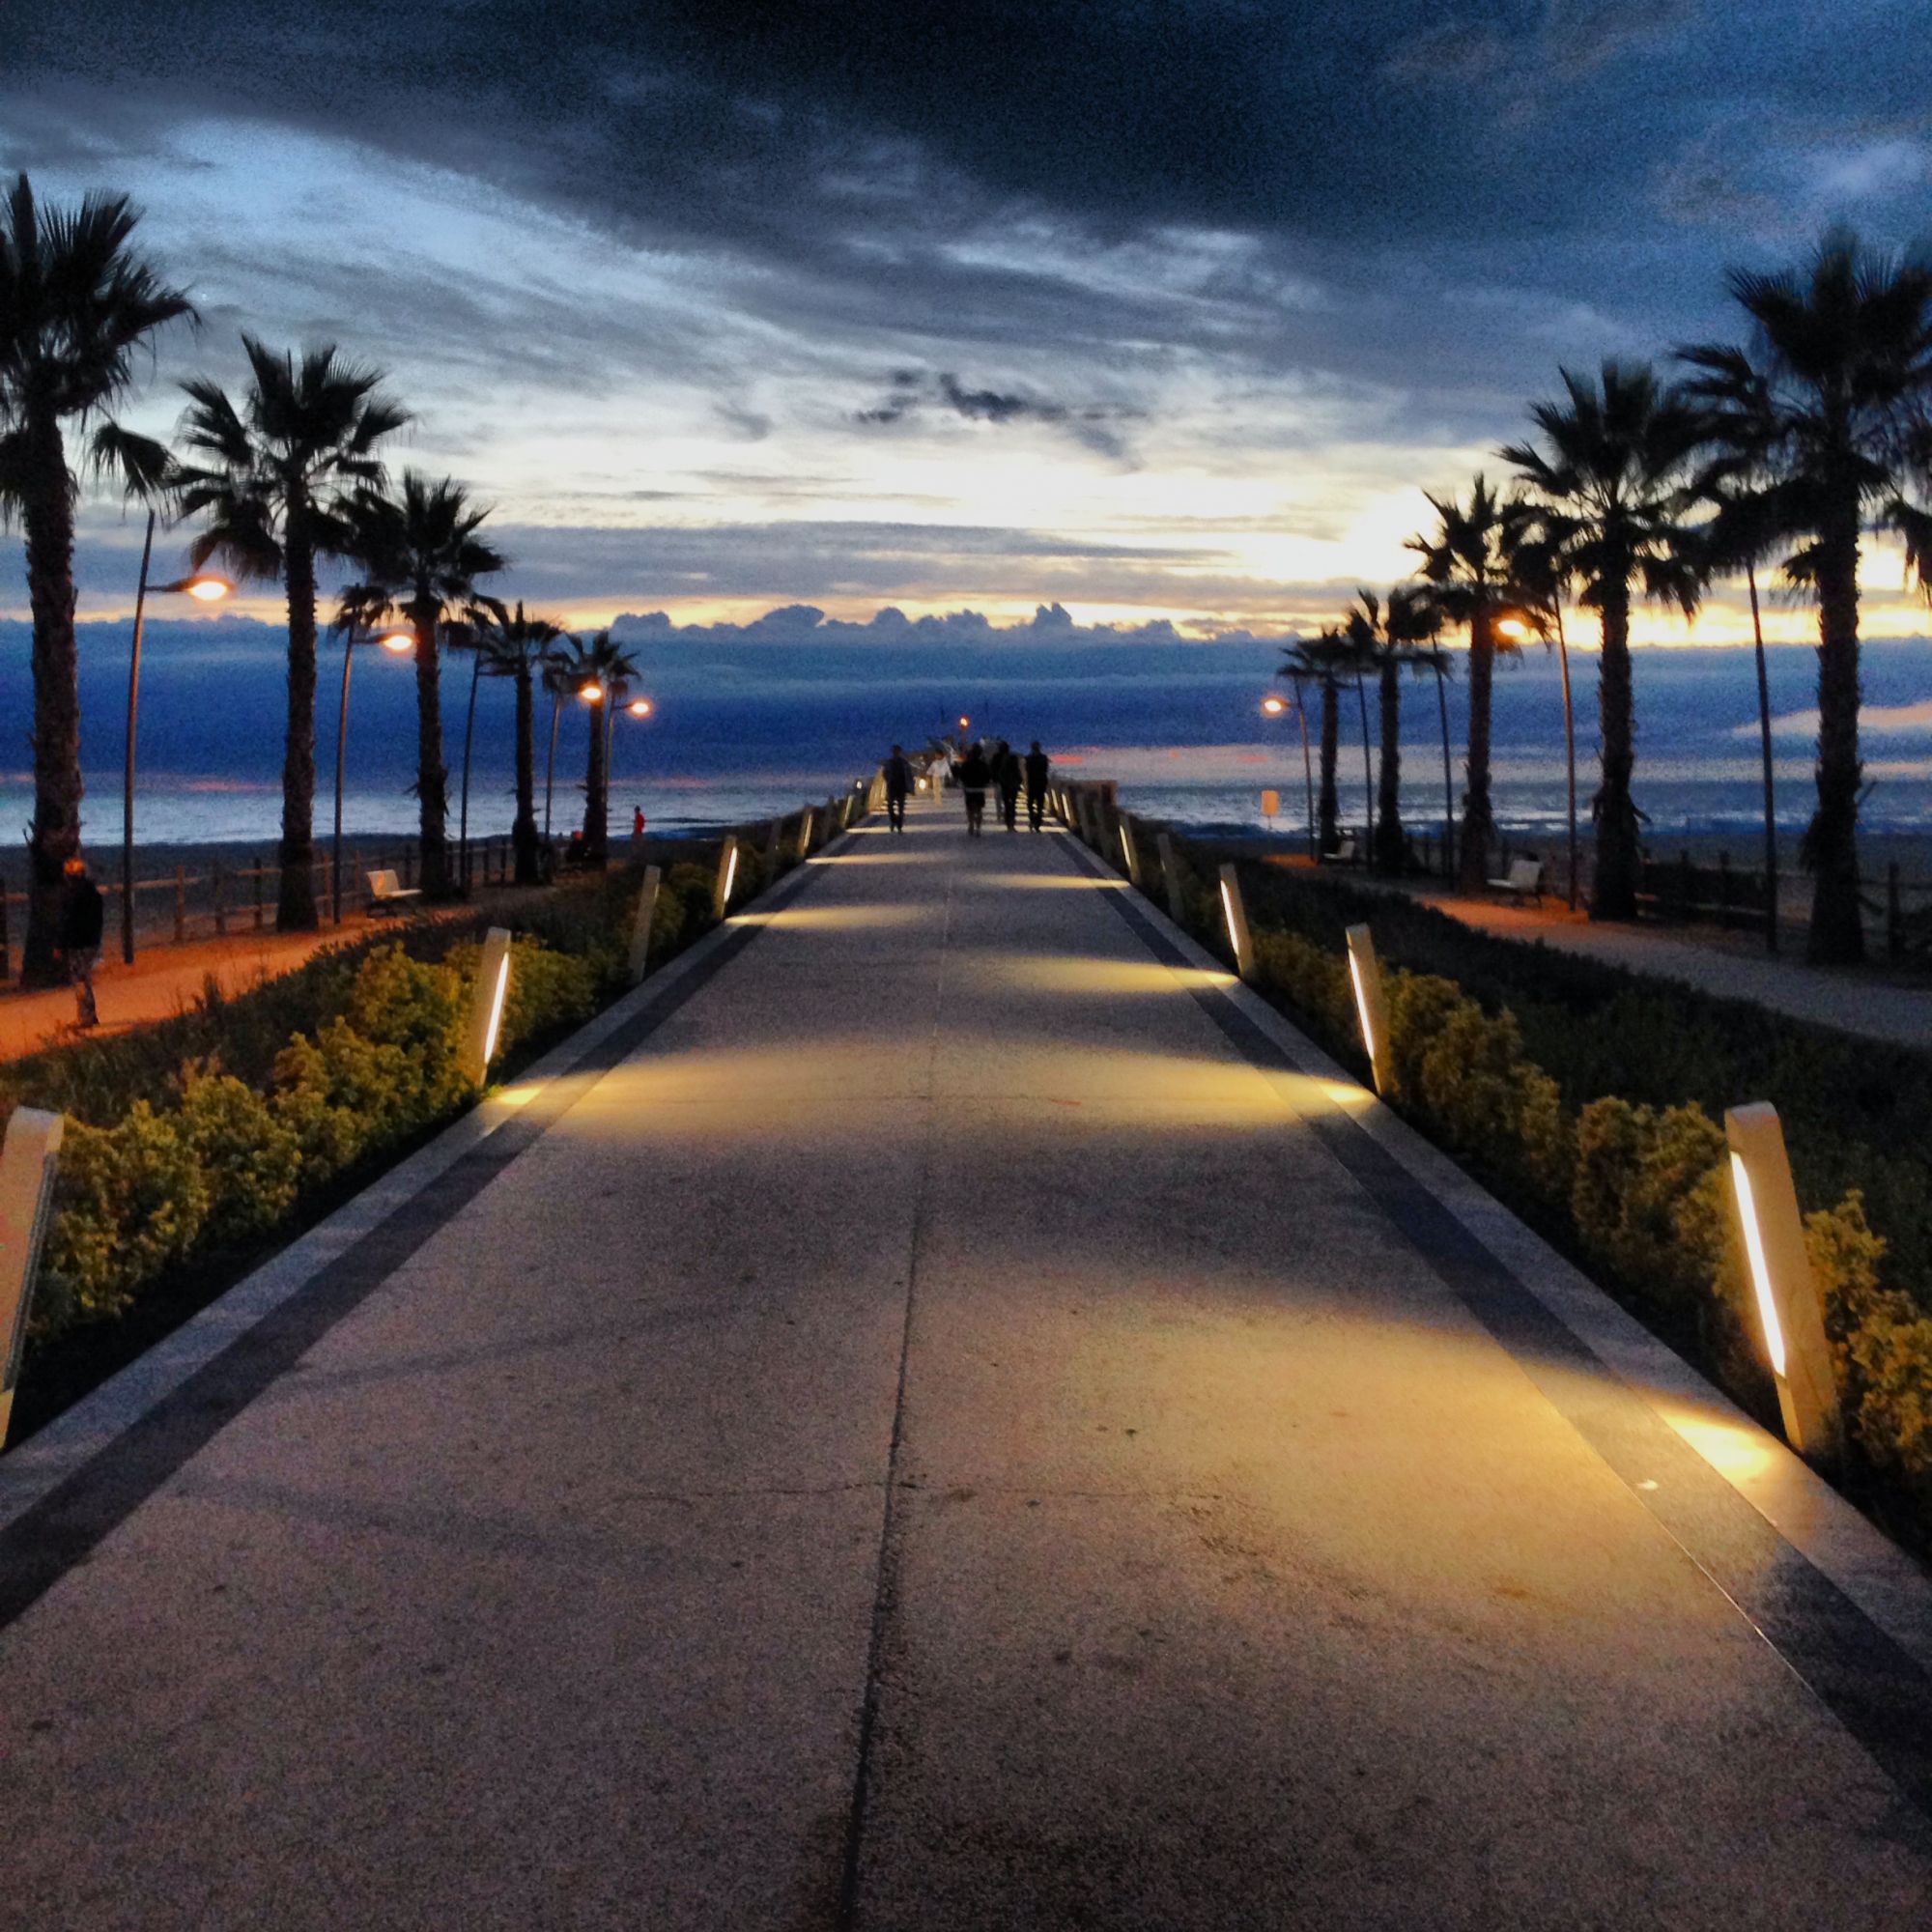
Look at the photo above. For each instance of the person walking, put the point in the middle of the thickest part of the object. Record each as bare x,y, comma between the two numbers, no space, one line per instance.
898,787
1006,775
81,918
1037,765
975,775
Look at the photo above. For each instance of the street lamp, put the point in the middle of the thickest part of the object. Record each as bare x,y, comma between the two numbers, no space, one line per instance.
1273,706
595,692
398,643
205,587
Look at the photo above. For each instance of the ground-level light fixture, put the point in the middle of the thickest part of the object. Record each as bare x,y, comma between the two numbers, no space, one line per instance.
1127,851
1170,875
1365,974
27,1164
641,924
1783,1285
805,831
1236,913
727,877
486,1006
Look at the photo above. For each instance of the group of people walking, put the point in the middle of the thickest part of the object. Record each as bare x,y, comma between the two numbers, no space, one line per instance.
981,769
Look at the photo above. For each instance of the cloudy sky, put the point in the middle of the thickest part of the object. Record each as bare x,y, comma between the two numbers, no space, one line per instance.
1161,309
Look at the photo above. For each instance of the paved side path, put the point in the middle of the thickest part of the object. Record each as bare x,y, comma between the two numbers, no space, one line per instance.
933,1438
1732,966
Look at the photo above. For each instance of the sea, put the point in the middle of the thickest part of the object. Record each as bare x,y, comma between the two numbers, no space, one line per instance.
743,731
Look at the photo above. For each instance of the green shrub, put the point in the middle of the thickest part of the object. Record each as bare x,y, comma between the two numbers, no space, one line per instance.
128,1200
249,1158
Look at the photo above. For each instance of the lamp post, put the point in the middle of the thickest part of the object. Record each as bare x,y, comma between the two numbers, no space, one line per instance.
205,587
1273,707
398,643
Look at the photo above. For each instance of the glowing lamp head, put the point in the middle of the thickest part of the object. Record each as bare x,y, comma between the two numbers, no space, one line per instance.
1760,1268
1362,1007
496,996
397,642
1274,706
964,722
207,588
591,694
639,707
1513,629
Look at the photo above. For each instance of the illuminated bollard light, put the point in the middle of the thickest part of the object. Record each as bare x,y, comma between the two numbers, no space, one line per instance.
1365,974
641,927
1170,874
1789,1310
831,825
774,847
1129,851
805,833
727,877
1090,819
27,1164
486,1006
1236,913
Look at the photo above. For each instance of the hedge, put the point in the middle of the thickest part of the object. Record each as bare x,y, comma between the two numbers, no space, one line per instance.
1589,1098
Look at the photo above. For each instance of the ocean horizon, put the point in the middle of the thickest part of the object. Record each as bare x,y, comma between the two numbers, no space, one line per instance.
744,730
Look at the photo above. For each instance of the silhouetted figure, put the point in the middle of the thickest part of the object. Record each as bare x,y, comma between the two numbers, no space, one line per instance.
1037,765
80,925
975,774
575,851
638,823
898,787
1006,775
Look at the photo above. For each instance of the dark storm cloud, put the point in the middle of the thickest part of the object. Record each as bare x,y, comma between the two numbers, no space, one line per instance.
914,389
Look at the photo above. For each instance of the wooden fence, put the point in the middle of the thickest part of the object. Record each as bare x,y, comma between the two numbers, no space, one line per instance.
221,898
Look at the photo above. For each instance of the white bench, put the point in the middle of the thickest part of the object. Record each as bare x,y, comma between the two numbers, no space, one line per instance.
387,893
1523,881
1348,852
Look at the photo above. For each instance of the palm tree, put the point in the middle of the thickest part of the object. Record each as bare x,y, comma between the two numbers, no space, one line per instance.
1843,361
271,479
421,556
1474,563
597,664
519,648
1391,642
1323,661
1616,494
76,303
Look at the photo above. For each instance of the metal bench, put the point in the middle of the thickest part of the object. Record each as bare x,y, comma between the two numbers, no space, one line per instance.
387,893
1523,881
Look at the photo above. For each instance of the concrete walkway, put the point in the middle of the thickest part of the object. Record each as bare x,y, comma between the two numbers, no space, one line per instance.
936,1429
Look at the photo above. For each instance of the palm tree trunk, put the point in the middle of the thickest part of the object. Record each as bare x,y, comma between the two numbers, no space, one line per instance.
1331,733
432,779
1770,786
1388,820
1473,861
1617,855
1448,780
1368,769
295,905
524,833
1837,935
468,745
596,829
47,513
